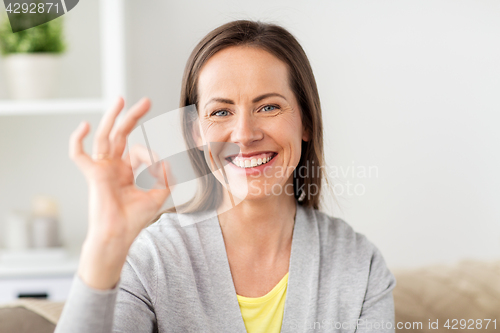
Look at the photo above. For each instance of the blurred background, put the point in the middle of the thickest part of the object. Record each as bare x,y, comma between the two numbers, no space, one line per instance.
409,90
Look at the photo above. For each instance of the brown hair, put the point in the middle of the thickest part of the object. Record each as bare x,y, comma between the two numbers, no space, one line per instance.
280,43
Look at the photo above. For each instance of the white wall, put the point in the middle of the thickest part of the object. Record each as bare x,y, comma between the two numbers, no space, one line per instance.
34,149
409,88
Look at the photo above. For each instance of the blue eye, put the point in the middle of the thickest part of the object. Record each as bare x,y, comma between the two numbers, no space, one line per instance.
221,113
269,106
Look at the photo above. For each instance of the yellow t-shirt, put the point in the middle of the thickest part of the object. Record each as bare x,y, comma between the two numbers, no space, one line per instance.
264,314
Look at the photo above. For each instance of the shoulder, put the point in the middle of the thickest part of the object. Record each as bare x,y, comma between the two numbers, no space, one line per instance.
344,250
341,247
336,233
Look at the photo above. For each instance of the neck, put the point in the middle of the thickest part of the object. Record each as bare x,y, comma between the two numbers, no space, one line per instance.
260,230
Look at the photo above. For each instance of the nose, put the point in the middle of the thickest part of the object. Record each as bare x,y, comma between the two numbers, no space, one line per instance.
246,130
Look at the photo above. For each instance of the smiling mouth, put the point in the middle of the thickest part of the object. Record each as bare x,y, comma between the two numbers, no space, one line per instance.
252,161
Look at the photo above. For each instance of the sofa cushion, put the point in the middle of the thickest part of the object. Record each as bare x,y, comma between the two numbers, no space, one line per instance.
29,315
22,320
468,290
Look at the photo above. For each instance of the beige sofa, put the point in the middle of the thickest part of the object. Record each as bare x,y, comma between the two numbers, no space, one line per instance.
468,290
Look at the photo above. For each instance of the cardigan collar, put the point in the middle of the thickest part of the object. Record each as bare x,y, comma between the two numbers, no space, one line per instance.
300,302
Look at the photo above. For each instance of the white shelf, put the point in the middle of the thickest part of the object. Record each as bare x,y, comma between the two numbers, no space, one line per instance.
113,74
67,268
50,106
37,263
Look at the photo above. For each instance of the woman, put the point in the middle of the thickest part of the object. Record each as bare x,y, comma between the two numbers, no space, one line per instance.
271,263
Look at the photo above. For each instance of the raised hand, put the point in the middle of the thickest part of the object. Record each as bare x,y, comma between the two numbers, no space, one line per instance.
118,210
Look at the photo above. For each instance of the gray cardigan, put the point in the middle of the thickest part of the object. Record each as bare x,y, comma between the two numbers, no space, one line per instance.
177,279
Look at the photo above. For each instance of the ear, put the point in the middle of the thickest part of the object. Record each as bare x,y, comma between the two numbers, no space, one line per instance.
305,134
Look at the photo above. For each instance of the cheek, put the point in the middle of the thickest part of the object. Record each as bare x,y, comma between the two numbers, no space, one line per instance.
289,134
213,132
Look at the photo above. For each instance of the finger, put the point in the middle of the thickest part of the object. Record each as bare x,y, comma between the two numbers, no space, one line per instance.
138,155
158,196
101,139
161,178
119,134
76,151
166,178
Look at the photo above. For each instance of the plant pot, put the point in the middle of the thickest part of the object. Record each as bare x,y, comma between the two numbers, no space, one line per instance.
32,75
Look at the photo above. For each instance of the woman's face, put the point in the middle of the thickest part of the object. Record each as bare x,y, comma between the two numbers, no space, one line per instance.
245,99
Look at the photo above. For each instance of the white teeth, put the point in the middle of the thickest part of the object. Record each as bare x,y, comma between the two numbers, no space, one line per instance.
250,163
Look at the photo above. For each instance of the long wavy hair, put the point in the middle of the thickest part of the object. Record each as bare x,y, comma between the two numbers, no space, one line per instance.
282,44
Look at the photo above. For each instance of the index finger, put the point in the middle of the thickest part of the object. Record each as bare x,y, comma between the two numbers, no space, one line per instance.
119,135
101,139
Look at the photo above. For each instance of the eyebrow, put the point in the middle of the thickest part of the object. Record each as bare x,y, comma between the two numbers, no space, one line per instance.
255,100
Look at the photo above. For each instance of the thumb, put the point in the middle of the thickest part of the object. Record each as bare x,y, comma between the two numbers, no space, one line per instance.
159,195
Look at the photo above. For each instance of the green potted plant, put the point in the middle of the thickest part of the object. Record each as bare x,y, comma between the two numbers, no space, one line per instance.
32,58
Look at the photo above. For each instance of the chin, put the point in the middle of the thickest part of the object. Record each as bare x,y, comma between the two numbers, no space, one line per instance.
257,189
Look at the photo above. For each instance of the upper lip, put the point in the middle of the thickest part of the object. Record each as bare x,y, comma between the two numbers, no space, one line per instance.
250,154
